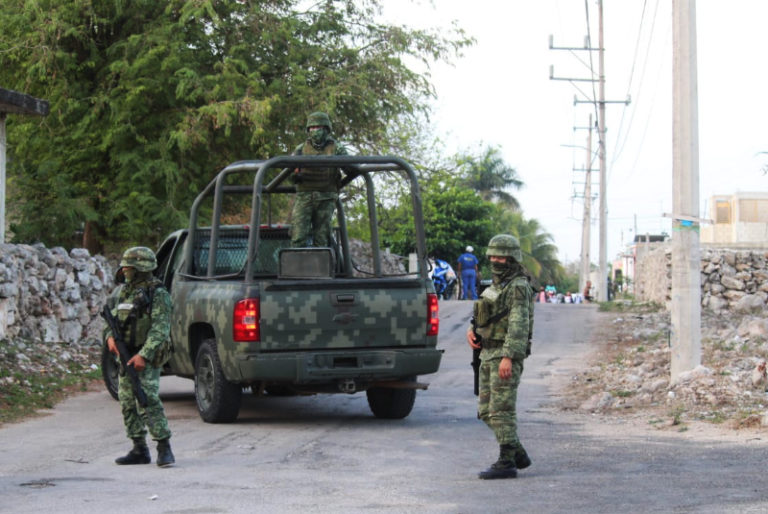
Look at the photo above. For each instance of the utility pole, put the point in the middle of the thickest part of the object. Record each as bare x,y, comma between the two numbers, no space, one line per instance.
686,261
602,284
586,223
602,294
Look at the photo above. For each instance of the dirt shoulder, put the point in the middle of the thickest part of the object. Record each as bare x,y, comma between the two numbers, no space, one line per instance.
624,382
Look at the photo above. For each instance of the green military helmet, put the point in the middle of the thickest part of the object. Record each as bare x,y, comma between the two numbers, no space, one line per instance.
505,245
319,119
139,257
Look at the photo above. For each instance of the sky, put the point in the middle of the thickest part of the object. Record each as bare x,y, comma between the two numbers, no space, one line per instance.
500,94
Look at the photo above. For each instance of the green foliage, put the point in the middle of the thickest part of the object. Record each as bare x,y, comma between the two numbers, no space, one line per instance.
22,393
490,176
455,218
149,99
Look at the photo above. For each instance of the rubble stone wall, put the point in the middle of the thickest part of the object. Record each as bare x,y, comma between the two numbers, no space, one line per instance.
55,296
731,280
52,295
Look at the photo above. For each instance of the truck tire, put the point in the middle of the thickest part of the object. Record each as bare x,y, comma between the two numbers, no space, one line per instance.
110,371
391,403
218,400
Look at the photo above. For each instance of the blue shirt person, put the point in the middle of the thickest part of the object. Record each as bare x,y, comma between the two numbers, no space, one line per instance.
468,269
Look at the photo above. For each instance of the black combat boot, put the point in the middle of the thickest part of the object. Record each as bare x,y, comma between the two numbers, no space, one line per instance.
502,468
522,460
164,453
139,454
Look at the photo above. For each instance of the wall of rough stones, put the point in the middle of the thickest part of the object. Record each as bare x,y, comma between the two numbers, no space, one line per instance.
55,296
731,280
52,295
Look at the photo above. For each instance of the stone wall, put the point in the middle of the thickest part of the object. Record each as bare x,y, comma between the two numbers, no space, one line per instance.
53,296
50,295
731,280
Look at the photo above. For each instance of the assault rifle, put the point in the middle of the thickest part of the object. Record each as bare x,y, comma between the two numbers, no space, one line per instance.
476,356
114,325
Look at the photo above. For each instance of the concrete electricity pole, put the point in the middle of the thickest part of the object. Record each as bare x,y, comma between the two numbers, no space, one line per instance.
602,283
686,262
586,223
602,293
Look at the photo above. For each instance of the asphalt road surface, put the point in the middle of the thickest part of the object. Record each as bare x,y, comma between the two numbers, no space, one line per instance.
327,453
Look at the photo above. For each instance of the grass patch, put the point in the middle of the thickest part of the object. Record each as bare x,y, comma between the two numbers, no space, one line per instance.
677,415
23,394
629,306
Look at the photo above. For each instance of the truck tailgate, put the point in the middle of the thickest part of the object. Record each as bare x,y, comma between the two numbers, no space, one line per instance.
332,314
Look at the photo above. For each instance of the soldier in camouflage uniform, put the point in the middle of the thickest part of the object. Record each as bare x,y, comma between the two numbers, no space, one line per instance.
317,188
143,308
504,325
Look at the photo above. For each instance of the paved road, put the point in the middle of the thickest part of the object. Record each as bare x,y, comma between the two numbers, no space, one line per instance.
328,454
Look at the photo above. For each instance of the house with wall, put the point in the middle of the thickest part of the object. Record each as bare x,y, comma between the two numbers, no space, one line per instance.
740,220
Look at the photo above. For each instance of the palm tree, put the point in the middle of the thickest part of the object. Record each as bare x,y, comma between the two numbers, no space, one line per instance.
539,252
490,176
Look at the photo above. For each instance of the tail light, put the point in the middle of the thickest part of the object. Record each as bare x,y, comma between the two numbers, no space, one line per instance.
246,321
433,321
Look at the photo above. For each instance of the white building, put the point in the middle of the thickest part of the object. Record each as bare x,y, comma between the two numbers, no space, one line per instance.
739,220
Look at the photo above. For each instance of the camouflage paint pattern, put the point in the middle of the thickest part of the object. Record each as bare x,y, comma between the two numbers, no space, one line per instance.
299,320
343,318
498,399
135,417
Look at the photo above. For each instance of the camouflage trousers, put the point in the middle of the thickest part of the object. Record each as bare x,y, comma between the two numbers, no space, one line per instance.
136,418
497,400
313,216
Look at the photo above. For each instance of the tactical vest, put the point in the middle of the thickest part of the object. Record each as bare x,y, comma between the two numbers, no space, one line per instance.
318,179
134,311
491,311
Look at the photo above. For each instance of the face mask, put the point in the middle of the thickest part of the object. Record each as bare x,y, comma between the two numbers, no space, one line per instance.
318,136
499,268
129,274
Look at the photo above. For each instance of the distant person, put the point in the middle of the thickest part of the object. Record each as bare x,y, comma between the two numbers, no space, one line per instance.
541,296
468,272
610,289
504,326
567,298
588,292
317,189
143,310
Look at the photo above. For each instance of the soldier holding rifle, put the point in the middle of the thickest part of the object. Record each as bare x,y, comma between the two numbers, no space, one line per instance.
502,328
139,327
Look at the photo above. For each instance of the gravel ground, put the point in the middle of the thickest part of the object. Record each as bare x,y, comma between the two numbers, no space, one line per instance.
628,375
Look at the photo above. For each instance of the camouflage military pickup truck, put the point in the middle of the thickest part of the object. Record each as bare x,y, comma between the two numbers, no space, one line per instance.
251,313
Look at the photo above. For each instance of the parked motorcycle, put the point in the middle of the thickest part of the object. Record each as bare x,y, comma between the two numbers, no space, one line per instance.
444,278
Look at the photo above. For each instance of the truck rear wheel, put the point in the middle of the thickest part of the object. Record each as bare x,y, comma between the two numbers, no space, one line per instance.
218,400
391,403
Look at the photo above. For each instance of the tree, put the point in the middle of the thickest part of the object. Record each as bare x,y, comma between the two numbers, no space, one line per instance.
490,176
539,252
149,99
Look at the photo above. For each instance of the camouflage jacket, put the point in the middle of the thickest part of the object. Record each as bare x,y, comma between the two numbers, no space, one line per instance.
504,314
319,179
148,306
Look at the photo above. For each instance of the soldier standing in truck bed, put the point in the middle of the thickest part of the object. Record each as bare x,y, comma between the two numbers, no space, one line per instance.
317,188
